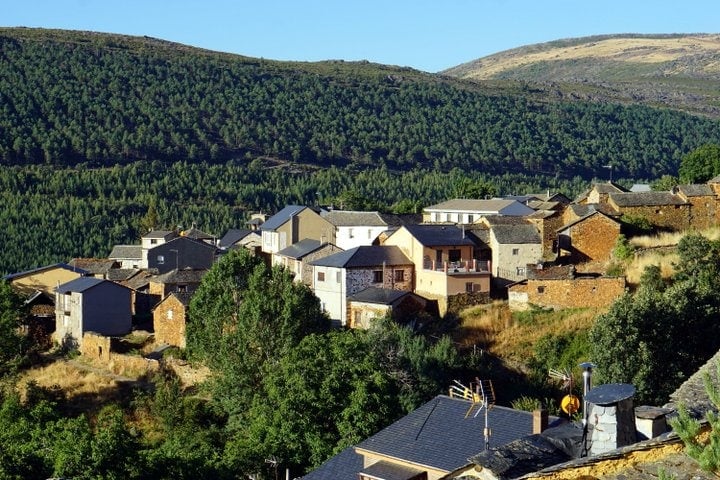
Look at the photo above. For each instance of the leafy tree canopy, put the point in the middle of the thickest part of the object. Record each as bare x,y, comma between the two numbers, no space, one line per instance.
701,164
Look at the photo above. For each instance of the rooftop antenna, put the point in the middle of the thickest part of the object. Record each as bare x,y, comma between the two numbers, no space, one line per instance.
481,396
569,403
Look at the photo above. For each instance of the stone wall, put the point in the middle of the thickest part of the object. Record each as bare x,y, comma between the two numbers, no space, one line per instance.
169,322
457,303
359,279
593,239
99,348
670,217
96,346
306,275
566,293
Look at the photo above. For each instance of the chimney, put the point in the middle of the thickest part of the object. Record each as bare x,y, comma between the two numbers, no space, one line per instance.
540,420
612,417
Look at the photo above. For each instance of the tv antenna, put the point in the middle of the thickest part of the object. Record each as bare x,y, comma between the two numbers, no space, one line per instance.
481,396
569,404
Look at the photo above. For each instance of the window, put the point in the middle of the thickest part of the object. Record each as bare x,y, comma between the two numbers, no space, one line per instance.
377,276
520,271
320,276
161,259
399,275
469,287
350,233
516,251
169,314
541,289
470,219
369,233
454,255
338,276
153,241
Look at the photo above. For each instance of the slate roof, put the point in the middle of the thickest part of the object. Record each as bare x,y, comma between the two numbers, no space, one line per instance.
279,219
196,234
343,466
233,236
185,275
94,265
695,190
364,256
382,296
347,218
516,234
503,220
64,266
602,188
121,274
81,284
714,180
543,205
182,297
131,252
438,435
440,235
692,392
299,249
397,220
138,281
590,213
640,199
158,234
495,205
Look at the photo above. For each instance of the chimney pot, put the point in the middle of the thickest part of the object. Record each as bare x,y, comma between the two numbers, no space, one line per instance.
540,420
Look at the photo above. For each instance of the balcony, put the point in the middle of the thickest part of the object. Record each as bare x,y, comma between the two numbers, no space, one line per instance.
458,268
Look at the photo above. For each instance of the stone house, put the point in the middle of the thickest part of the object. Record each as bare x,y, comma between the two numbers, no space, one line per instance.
128,256
598,194
560,287
448,260
186,280
96,267
589,239
292,224
373,302
170,319
513,242
297,257
703,202
342,274
89,304
664,210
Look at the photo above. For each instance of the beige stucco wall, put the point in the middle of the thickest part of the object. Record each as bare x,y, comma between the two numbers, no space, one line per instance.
362,314
46,281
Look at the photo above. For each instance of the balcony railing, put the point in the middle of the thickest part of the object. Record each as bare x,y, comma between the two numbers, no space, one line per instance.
463,266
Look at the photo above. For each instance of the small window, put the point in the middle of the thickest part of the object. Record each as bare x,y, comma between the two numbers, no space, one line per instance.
320,276
469,287
350,233
470,219
520,271
161,259
399,275
454,255
516,251
377,276
170,314
338,276
369,233
153,241
541,289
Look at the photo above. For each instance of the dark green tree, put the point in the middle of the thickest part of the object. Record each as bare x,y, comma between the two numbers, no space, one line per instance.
701,164
13,345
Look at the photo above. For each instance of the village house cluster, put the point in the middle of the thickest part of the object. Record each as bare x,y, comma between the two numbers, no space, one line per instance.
536,249
541,249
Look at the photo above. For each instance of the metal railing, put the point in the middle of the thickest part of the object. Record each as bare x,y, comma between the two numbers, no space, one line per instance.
462,266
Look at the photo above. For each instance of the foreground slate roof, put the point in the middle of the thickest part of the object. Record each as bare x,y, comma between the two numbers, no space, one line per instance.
692,392
364,256
516,234
347,218
233,236
80,284
382,296
299,249
343,466
126,251
438,435
640,199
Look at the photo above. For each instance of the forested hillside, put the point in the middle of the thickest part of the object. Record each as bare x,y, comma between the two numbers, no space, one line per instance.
70,97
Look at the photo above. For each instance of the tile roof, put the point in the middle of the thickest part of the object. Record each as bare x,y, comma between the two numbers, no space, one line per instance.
438,435
346,218
440,235
639,199
277,220
130,252
299,249
64,266
233,236
382,296
365,256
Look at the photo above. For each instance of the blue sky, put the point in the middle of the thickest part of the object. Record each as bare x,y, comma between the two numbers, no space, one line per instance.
429,35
